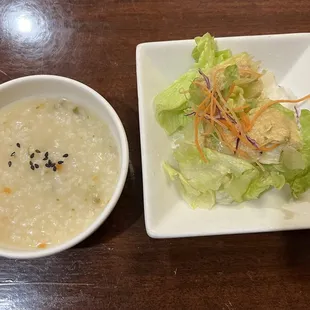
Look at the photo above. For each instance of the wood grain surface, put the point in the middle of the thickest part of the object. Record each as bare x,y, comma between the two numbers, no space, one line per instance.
119,266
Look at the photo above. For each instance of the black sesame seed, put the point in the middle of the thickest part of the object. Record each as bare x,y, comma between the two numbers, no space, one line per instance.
38,151
47,166
31,163
13,154
32,167
18,144
49,162
10,163
54,169
46,154
45,158
32,155
65,155
36,165
60,162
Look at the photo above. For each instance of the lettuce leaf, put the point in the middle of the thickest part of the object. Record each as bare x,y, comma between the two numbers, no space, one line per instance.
299,179
236,179
263,183
284,110
231,73
206,54
305,133
204,51
293,159
171,104
231,176
211,175
221,56
253,90
196,95
194,197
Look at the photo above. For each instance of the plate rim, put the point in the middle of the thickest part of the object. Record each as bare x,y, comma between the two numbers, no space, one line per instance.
139,50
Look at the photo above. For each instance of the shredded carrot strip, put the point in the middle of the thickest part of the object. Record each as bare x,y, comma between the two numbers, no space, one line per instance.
223,138
231,126
260,112
221,123
231,89
207,109
238,132
224,114
208,132
239,135
266,149
212,106
233,129
203,87
202,104
269,104
242,154
227,106
232,148
246,121
293,100
244,140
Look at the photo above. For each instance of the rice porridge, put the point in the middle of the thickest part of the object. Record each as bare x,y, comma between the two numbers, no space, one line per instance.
59,166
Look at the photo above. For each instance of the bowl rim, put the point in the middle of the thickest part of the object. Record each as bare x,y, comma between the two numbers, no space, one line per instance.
124,154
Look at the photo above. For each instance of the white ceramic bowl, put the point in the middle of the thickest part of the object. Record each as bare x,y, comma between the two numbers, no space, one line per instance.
166,214
56,86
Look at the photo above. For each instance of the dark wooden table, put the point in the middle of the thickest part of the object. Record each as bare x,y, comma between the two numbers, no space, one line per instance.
120,267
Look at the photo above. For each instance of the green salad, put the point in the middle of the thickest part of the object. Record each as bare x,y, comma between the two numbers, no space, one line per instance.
231,141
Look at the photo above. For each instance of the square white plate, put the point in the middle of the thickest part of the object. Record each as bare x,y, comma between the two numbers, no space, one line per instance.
166,214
